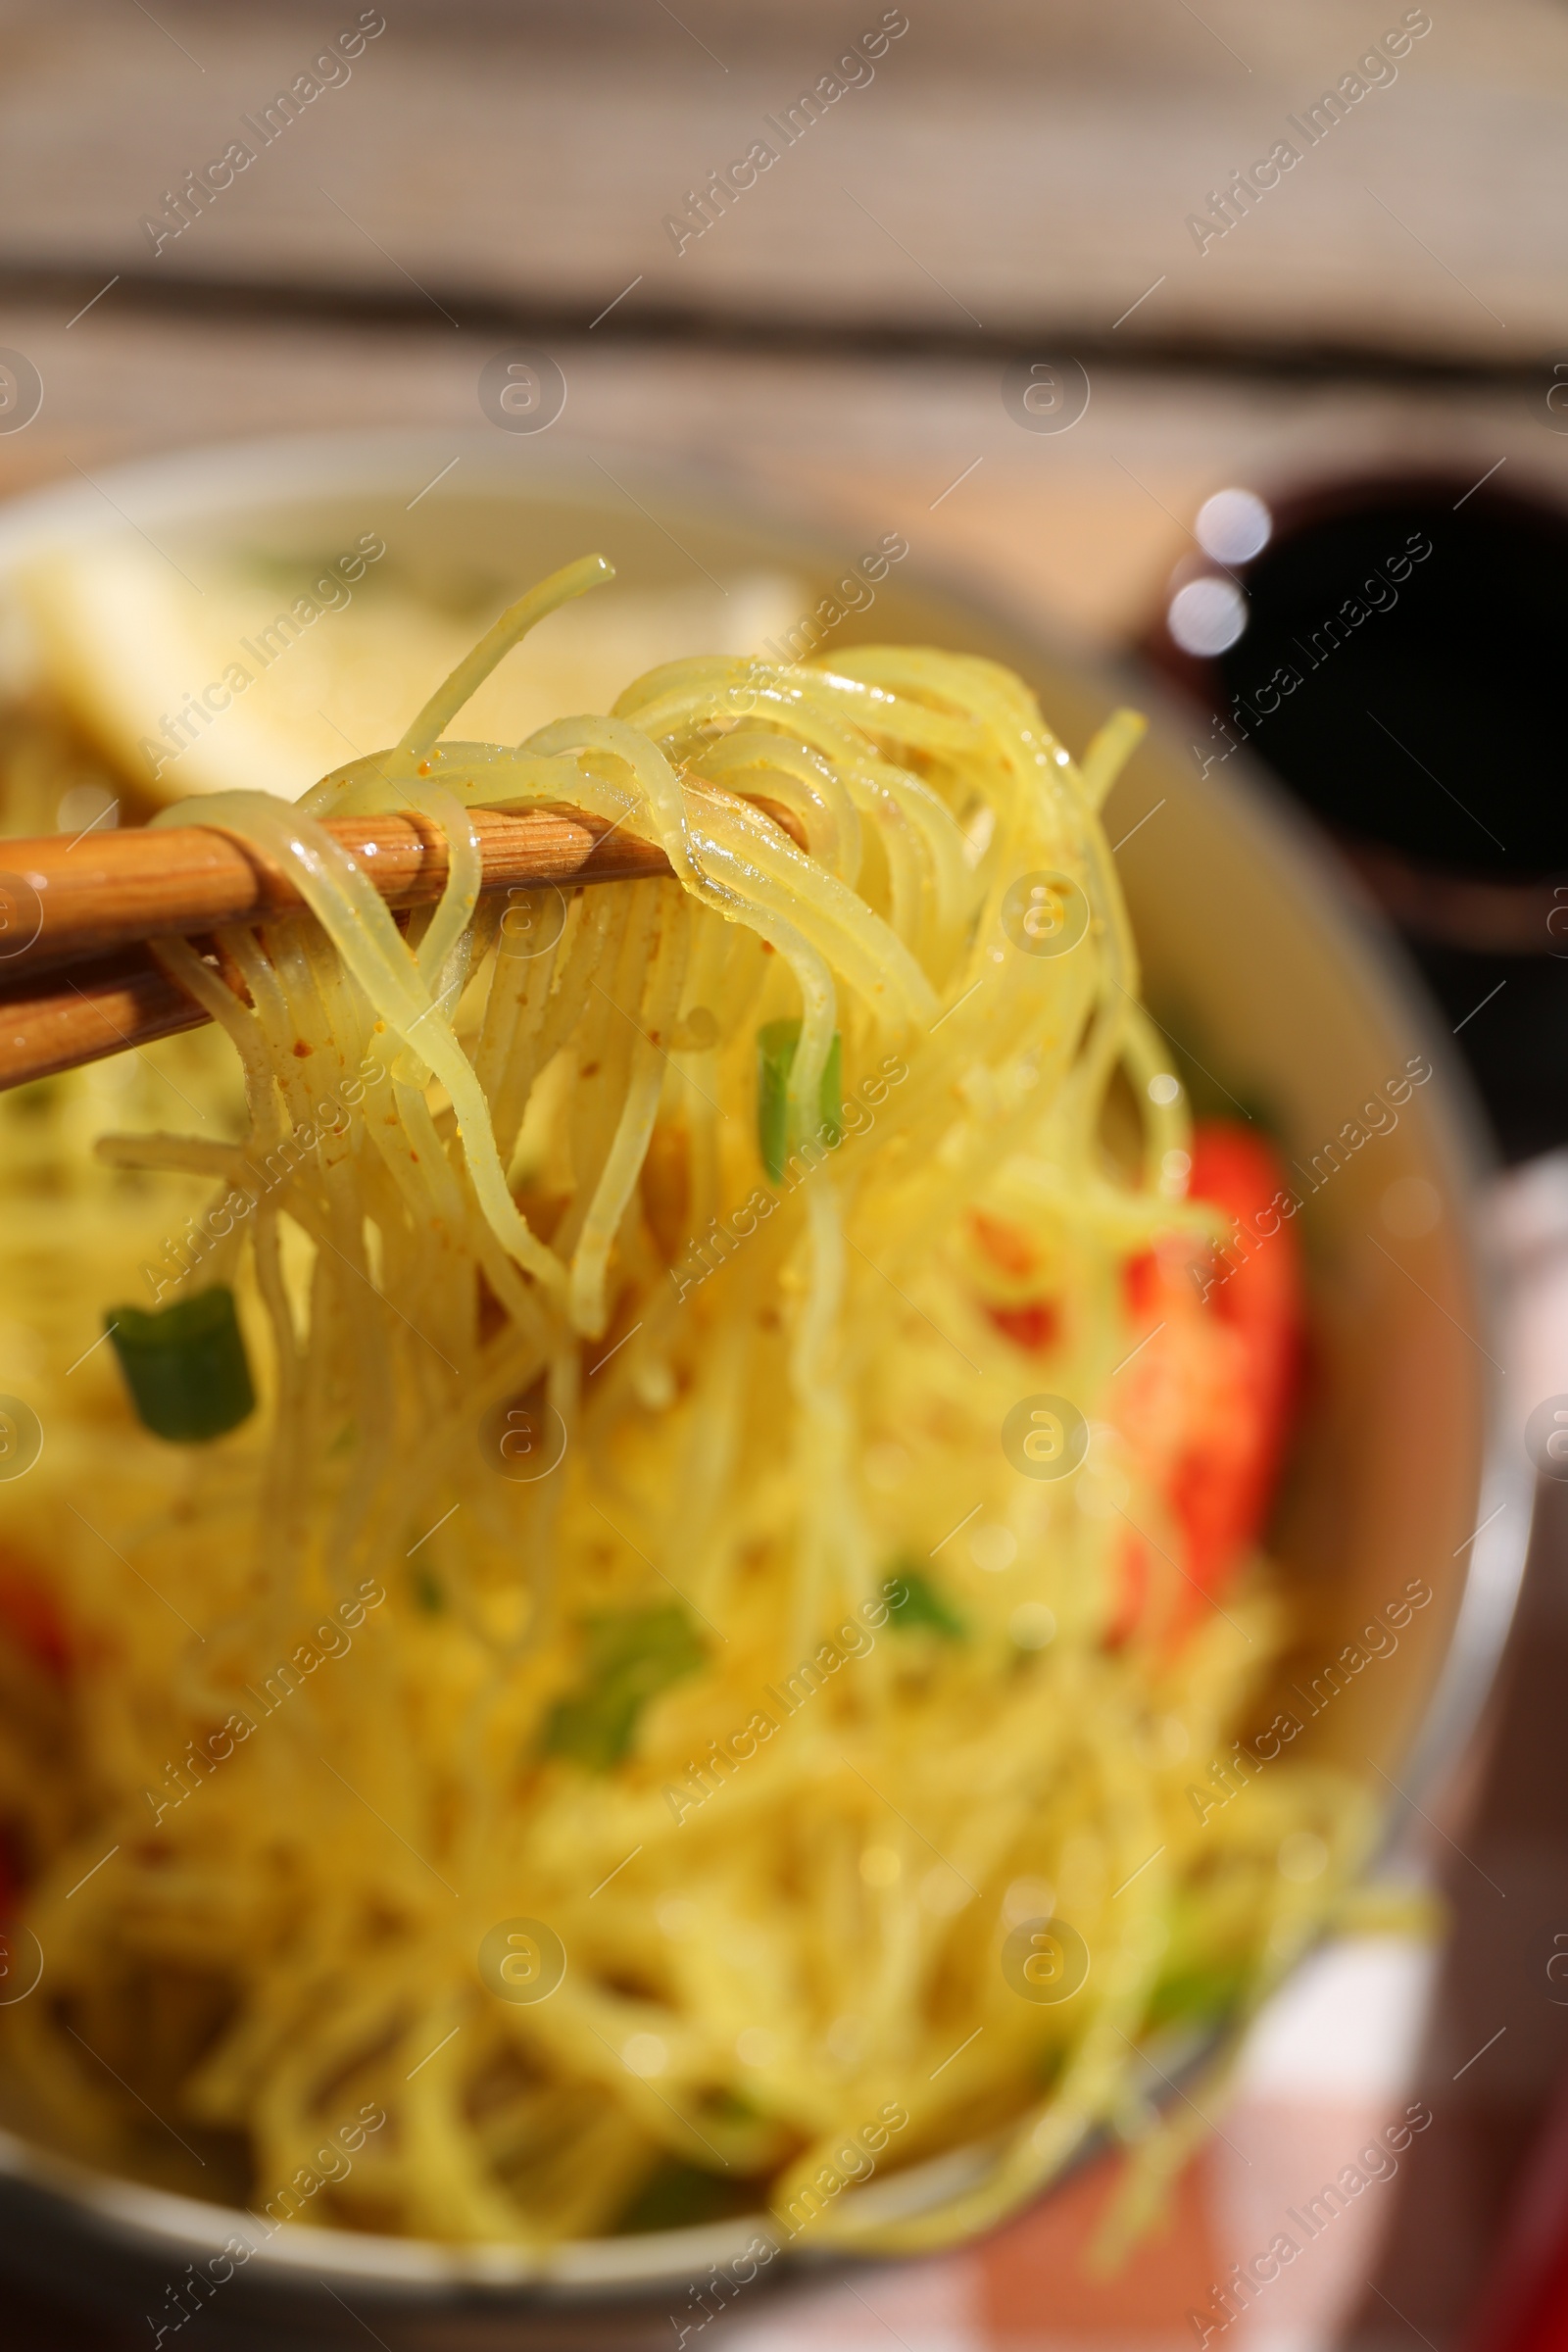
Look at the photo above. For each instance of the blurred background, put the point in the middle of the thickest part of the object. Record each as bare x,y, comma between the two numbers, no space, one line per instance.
1035,287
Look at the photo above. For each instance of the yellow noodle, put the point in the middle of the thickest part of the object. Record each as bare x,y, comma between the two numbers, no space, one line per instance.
548,1359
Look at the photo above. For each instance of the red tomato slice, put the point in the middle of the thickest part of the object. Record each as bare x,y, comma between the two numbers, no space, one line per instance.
1032,1325
1258,1296
1208,1398
31,1622
1208,1394
30,1618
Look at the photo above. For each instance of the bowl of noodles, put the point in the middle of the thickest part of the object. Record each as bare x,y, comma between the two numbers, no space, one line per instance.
692,1573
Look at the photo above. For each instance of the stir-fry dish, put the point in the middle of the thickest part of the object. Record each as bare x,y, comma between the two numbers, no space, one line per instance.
643,1506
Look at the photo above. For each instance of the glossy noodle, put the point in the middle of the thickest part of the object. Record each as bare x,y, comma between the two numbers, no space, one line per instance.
688,1669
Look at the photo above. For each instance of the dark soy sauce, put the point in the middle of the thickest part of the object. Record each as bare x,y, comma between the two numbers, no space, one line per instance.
1400,671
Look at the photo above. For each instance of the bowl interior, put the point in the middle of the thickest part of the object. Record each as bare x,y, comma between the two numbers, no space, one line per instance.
1277,1001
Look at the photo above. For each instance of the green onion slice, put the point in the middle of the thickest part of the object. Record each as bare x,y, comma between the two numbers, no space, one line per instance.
629,1660
924,1608
185,1366
776,1044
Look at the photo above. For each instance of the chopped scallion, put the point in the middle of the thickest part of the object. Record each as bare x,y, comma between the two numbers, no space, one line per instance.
919,1607
776,1044
629,1660
185,1366
427,1592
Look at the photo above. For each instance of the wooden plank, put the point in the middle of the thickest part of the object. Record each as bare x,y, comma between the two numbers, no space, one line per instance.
977,180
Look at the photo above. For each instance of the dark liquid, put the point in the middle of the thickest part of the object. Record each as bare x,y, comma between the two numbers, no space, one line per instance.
1426,719
1458,659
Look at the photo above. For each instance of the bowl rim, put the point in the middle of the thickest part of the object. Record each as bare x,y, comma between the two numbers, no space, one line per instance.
218,479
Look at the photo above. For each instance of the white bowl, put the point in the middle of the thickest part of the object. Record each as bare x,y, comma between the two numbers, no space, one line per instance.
1254,953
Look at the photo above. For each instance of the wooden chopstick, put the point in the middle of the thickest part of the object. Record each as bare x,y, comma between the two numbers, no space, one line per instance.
111,1006
81,985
